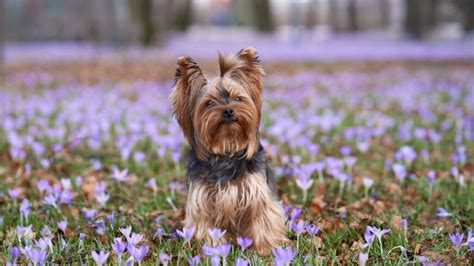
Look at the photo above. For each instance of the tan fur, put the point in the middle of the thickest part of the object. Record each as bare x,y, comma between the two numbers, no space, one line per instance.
242,74
246,208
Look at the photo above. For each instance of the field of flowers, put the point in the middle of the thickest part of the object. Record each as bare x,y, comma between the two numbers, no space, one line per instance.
374,161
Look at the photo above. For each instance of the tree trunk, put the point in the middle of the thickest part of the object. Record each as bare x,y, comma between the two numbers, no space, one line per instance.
2,42
333,15
146,22
183,15
352,15
384,13
417,18
311,18
142,11
466,8
263,16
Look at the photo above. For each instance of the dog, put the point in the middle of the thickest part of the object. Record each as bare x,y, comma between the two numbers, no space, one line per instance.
231,185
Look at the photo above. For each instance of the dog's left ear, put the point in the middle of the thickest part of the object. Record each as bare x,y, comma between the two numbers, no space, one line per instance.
245,67
188,83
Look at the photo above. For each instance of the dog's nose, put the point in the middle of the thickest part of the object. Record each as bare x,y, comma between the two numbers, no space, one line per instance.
228,113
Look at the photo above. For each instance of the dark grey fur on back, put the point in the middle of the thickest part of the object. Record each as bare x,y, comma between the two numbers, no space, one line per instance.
223,169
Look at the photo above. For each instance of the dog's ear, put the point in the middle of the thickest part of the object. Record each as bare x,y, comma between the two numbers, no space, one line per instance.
188,83
246,68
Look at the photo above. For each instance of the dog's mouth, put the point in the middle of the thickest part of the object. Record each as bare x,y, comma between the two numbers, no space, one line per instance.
229,120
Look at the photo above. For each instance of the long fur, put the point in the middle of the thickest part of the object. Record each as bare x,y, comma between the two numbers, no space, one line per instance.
231,185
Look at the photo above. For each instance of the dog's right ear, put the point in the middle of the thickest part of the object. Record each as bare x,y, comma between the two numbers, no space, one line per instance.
188,82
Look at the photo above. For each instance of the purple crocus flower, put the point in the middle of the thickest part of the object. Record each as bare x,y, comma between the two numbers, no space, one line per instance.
43,186
223,249
194,260
119,246
350,161
35,255
469,234
456,239
24,231
443,213
431,176
165,258
215,233
399,171
119,175
304,182
378,232
159,232
62,225
345,150
44,243
14,193
209,250
45,231
312,229
470,244
66,197
138,253
295,213
298,227
407,154
187,233
241,262
152,184
215,261
126,231
14,253
367,182
99,258
283,255
363,257
134,239
455,172
244,242
369,237
25,208
404,224
89,214
51,200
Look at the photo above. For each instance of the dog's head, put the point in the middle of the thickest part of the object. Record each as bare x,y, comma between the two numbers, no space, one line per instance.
221,115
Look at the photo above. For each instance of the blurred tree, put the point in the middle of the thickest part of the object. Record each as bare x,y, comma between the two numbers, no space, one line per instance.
384,6
311,18
255,13
352,15
183,14
466,8
142,10
92,31
263,15
334,15
420,17
2,42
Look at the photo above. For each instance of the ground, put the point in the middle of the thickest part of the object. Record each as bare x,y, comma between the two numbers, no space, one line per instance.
381,143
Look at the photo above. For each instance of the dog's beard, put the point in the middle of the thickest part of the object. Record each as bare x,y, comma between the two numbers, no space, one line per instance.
227,137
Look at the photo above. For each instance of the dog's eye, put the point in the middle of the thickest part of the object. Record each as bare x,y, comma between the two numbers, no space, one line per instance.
210,103
238,99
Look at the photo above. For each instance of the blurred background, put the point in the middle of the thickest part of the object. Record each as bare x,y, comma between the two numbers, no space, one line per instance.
152,22
282,30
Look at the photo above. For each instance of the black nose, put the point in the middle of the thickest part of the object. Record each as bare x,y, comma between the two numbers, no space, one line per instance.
228,113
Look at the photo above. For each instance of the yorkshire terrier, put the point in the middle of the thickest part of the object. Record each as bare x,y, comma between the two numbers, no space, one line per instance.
231,185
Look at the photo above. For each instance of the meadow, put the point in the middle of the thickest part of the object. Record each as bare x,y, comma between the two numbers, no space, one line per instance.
374,161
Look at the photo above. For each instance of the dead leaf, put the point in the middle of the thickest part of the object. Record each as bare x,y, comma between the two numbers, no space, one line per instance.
397,222
317,205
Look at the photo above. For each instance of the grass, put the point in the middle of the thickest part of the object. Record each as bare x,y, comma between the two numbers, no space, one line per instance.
341,214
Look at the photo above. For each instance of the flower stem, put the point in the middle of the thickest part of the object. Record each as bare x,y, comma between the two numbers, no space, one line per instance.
381,248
